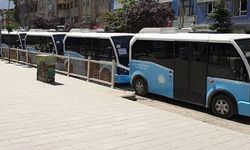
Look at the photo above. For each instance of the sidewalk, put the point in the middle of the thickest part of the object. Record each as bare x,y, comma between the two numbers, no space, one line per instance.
77,115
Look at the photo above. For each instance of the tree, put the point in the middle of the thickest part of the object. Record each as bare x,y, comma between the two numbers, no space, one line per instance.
135,15
17,11
222,18
42,23
116,21
69,25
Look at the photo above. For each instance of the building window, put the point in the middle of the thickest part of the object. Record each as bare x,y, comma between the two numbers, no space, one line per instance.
188,7
210,7
60,6
76,3
83,19
240,7
88,19
243,7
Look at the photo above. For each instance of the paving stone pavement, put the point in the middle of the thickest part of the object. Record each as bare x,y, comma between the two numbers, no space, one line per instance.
77,115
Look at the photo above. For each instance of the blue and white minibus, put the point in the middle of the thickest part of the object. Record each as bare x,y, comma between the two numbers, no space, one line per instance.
101,46
210,70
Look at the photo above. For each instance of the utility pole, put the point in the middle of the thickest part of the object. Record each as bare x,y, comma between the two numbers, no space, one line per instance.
8,23
1,18
181,13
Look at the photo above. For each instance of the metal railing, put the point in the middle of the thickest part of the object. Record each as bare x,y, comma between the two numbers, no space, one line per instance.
86,68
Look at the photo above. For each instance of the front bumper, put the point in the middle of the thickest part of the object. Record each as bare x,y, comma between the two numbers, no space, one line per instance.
244,108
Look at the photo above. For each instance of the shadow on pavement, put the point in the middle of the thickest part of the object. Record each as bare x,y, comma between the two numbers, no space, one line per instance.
126,87
236,118
56,84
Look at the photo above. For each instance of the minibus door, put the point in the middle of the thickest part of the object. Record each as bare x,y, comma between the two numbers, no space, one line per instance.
197,73
181,71
190,72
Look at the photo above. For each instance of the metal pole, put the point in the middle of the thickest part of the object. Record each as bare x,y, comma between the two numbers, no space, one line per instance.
27,57
1,18
113,74
68,66
17,55
9,48
7,19
88,69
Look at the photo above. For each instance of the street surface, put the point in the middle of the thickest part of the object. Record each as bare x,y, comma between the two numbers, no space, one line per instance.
237,123
76,115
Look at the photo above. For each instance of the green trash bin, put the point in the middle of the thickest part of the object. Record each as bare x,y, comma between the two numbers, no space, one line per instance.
45,68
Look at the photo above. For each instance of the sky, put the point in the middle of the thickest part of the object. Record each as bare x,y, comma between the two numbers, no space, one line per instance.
4,4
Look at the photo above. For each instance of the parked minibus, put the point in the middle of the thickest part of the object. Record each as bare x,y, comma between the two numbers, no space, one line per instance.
210,70
102,46
45,42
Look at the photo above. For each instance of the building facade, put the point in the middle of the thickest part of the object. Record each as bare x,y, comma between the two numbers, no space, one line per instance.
197,12
7,16
186,16
240,10
87,13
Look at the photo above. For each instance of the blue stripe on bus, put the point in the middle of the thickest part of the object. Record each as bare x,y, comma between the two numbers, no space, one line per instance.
159,78
240,91
120,79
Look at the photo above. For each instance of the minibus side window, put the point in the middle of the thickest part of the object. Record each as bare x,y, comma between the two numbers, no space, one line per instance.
106,50
225,62
32,43
75,47
159,52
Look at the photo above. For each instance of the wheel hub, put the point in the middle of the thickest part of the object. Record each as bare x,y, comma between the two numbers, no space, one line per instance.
139,87
222,107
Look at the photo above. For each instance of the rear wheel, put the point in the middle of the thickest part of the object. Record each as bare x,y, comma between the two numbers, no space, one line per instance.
140,86
223,106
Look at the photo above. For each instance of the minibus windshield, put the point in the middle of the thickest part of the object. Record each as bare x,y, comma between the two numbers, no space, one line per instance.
122,47
244,45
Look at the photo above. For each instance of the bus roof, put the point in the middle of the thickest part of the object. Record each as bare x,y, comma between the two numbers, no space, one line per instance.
97,35
45,33
198,37
13,32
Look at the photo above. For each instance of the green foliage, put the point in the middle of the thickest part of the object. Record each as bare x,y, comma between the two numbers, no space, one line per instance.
221,17
115,21
135,15
10,27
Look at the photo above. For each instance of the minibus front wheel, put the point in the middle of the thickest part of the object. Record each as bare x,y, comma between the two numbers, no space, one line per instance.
140,86
223,106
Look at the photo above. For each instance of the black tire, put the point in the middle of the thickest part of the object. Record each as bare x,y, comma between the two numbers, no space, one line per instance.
140,86
223,106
